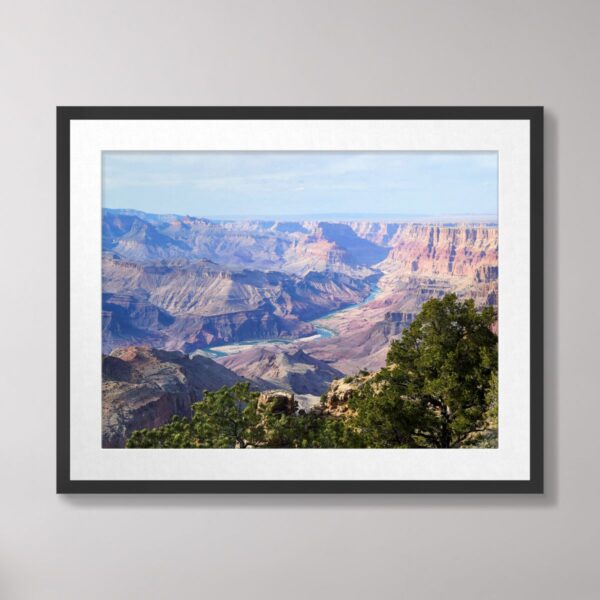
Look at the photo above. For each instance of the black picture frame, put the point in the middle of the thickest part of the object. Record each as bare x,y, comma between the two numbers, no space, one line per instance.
534,485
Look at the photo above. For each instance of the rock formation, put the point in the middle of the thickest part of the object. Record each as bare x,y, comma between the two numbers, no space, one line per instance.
144,387
277,402
288,368
434,250
335,401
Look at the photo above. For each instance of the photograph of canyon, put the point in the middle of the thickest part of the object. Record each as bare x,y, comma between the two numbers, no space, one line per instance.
299,300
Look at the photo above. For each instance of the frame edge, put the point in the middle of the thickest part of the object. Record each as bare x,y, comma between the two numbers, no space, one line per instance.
65,485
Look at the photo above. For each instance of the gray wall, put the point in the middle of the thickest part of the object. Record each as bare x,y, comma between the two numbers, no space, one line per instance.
395,53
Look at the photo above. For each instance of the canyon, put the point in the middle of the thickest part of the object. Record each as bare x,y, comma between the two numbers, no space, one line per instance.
190,303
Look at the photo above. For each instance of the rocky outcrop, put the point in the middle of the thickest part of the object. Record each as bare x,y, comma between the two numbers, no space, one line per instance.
380,233
144,387
128,320
136,238
335,400
394,322
332,246
277,402
288,368
436,250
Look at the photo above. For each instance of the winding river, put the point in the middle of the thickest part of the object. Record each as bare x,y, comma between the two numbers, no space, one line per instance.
320,332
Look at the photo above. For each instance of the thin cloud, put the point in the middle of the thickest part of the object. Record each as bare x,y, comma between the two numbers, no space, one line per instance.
201,182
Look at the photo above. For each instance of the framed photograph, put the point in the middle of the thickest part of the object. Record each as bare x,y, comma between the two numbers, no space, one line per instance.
300,299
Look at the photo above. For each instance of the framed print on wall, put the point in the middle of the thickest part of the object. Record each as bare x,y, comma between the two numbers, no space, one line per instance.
314,299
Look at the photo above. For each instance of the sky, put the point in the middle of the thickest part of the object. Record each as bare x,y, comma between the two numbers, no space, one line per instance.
287,184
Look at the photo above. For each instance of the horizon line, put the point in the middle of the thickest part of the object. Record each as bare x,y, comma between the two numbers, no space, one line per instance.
318,216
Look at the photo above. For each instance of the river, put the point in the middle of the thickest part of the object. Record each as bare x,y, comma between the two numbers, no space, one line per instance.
321,332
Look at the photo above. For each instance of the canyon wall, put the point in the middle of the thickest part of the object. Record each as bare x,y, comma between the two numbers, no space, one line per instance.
144,387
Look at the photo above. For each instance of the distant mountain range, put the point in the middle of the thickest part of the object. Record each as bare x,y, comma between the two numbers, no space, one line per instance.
339,217
293,247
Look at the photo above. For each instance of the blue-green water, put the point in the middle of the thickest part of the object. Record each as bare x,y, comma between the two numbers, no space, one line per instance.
214,352
323,332
374,292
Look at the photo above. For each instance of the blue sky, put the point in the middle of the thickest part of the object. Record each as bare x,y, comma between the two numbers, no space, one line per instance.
286,184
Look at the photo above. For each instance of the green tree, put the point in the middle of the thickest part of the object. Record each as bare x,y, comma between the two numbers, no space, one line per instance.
434,391
311,431
175,434
233,418
488,438
227,418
